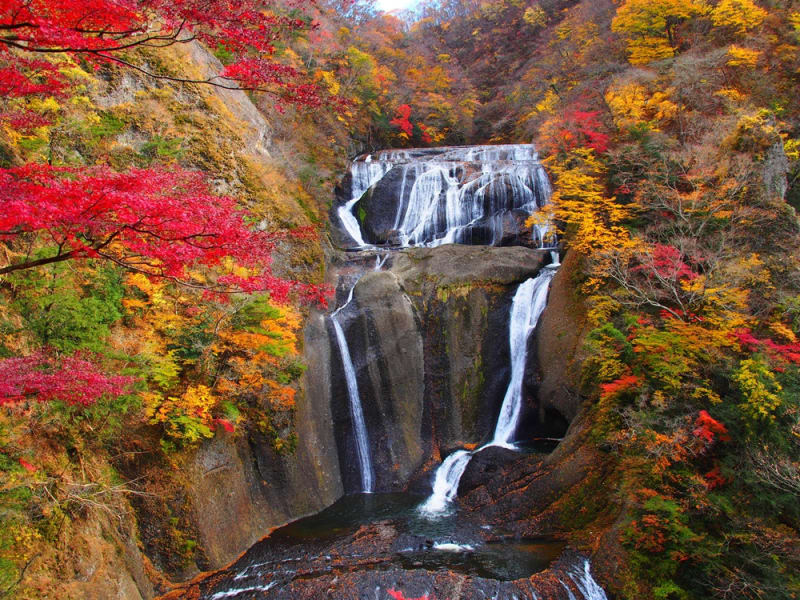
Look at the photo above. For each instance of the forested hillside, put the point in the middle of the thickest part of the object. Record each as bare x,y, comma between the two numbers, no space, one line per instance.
162,243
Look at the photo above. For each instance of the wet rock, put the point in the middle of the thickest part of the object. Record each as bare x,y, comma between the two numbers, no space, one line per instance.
559,340
485,466
369,561
378,208
523,495
386,348
428,341
462,295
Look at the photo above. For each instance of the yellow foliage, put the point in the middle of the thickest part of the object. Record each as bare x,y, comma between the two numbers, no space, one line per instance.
649,49
740,16
742,57
253,355
731,94
783,331
632,104
535,16
594,220
329,79
792,148
649,26
548,103
186,418
43,105
794,19
760,389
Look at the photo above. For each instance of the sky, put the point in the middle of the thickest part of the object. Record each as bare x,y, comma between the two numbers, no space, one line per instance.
389,5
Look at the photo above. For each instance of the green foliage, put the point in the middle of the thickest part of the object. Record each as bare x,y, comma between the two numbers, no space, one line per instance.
608,351
108,125
65,309
224,55
163,149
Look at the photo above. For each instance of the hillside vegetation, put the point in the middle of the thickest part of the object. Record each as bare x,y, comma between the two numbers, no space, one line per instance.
670,129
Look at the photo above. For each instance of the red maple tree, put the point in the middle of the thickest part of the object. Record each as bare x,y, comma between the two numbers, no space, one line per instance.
164,222
73,379
161,222
99,30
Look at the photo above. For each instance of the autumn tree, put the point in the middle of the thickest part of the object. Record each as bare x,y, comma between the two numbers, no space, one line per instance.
737,16
161,221
101,30
652,28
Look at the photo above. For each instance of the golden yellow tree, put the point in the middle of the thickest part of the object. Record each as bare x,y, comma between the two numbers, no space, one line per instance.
737,16
651,26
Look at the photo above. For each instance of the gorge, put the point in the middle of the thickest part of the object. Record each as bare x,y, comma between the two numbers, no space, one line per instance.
418,373
285,269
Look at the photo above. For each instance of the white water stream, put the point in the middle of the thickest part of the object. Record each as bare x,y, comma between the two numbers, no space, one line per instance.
453,190
356,412
527,306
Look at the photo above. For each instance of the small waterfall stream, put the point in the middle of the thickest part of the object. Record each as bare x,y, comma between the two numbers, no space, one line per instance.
527,306
356,412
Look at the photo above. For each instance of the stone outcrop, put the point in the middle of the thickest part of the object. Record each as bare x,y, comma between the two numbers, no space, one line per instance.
241,488
559,341
428,338
386,347
382,559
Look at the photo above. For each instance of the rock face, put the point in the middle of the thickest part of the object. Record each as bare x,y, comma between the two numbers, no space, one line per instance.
428,341
559,342
241,487
378,210
523,494
463,295
386,348
366,558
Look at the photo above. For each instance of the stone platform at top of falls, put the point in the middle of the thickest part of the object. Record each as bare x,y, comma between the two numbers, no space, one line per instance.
433,196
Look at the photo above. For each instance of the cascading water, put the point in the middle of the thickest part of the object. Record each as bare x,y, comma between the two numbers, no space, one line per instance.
583,579
364,174
356,412
453,194
432,197
527,306
445,485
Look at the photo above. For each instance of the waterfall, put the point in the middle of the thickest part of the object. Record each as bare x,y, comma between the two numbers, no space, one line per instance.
356,412
365,173
457,194
445,486
583,579
527,306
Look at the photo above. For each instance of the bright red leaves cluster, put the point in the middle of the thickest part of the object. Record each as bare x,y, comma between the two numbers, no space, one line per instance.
71,379
97,30
162,222
620,385
707,427
398,595
787,352
401,120
667,263
582,128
